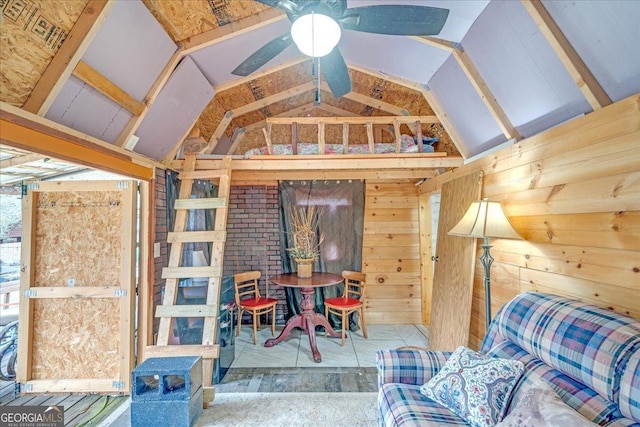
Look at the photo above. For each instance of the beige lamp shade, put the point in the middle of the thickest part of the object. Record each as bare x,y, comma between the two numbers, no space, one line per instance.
485,219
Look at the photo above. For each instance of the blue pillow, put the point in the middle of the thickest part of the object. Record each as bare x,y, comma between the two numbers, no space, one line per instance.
474,387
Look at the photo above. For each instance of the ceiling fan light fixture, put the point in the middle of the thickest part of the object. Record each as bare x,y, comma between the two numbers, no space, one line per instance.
315,34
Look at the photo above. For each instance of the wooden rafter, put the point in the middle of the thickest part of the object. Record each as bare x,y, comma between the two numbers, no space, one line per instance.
447,45
338,112
409,84
476,80
581,75
67,57
259,74
467,65
253,106
93,78
153,93
291,113
232,29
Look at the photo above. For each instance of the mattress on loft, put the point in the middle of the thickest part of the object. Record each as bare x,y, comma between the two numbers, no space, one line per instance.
407,145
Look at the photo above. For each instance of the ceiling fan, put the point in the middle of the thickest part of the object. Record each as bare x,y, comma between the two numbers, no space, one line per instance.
317,23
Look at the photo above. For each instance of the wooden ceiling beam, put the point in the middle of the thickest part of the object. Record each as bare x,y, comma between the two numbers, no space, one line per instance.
259,74
253,106
447,45
578,70
476,80
93,78
65,60
29,132
409,84
225,32
338,112
291,113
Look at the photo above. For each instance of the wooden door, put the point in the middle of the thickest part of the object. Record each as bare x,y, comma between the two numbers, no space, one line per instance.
77,287
453,277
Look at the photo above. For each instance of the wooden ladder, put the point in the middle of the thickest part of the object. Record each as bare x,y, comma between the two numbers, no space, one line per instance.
208,349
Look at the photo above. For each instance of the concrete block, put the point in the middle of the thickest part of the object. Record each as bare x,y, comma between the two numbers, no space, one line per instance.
167,413
167,378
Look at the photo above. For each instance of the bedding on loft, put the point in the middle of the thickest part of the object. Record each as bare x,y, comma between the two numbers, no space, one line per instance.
408,144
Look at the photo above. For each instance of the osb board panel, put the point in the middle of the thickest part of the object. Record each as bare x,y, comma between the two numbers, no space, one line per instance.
453,279
391,256
68,225
32,31
76,338
186,18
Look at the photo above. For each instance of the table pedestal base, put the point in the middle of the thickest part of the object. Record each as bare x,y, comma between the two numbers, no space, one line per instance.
307,320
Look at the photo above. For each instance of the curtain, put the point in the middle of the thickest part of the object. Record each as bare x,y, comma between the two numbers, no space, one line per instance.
340,210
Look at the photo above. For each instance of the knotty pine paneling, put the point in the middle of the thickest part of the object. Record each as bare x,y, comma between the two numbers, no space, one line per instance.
573,192
391,253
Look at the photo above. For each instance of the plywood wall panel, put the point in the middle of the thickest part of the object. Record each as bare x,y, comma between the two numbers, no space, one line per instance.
66,253
32,31
391,253
82,344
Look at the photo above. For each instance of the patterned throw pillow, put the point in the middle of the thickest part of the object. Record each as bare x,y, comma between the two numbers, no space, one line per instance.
542,407
475,387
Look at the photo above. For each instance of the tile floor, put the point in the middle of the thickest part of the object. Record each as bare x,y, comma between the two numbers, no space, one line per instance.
295,351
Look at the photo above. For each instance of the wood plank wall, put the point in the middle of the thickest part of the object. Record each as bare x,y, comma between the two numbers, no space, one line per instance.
573,192
391,253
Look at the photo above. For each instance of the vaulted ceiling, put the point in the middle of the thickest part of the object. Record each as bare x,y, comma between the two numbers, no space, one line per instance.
144,75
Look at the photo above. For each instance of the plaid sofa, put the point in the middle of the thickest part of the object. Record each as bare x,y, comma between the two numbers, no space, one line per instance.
590,356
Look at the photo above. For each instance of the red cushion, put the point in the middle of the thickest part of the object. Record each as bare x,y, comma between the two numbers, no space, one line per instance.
257,302
341,302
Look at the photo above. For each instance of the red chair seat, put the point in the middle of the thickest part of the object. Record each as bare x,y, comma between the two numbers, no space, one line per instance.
257,302
341,302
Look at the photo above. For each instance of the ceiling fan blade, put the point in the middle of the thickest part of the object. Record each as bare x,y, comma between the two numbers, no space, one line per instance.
398,20
288,6
336,73
263,55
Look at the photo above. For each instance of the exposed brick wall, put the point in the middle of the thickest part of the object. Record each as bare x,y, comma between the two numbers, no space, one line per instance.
160,237
253,239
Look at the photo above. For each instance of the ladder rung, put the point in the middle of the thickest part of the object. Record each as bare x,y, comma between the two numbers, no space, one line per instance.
204,174
205,351
196,236
186,310
210,203
189,272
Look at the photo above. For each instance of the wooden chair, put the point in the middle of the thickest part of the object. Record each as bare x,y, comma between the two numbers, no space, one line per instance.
352,300
248,298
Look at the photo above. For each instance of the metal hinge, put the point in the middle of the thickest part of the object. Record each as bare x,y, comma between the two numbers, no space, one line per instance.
120,292
118,384
29,293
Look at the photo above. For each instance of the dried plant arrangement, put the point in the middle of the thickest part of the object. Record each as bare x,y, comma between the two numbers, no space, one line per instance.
306,242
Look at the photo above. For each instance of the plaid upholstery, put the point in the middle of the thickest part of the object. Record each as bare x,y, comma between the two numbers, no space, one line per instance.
585,342
408,366
582,399
404,405
588,355
629,400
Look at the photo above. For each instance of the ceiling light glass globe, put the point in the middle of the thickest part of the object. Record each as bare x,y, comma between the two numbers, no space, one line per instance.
315,34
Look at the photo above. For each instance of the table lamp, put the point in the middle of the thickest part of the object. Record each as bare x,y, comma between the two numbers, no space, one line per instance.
485,219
